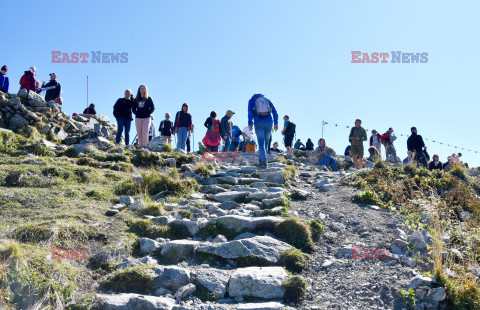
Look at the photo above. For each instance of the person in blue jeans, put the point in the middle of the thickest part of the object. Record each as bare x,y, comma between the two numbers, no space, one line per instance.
260,111
324,155
183,125
122,110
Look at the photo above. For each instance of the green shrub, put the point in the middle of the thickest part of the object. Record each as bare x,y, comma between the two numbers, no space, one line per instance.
178,231
156,182
380,164
146,228
290,172
136,279
203,170
368,197
459,172
295,289
32,233
185,213
140,159
296,233
152,209
294,260
167,148
316,228
296,195
128,188
70,152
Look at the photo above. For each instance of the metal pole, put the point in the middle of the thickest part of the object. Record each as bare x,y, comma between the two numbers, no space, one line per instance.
323,123
87,91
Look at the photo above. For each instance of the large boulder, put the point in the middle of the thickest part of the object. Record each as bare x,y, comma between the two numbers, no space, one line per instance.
177,250
215,280
260,282
134,302
229,196
239,223
17,122
272,176
156,144
171,277
262,247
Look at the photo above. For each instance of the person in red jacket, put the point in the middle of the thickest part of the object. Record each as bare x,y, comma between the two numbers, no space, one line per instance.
29,81
212,138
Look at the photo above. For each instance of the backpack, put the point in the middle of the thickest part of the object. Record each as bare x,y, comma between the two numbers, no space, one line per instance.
24,80
262,107
290,130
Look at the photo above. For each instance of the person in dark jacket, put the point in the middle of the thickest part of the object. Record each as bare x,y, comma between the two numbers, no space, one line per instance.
309,145
56,90
299,145
166,128
435,164
143,108
90,110
122,110
183,125
29,81
416,145
226,130
209,121
4,83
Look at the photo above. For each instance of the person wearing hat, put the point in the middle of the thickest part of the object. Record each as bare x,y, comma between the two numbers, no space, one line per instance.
4,79
289,133
28,80
375,142
226,130
90,110
55,89
165,128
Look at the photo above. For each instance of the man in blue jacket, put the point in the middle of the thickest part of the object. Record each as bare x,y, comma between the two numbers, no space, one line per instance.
260,110
4,79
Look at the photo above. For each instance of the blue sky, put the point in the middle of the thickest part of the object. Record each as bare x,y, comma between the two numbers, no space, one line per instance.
216,54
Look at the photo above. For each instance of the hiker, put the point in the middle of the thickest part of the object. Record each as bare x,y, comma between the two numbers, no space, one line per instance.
288,132
416,145
201,147
54,91
387,139
275,148
143,108
183,125
356,137
249,140
348,151
122,111
90,110
166,128
450,163
151,130
407,159
435,164
226,130
212,138
375,141
260,110
374,154
4,82
309,145
236,133
324,155
299,145
29,81
209,121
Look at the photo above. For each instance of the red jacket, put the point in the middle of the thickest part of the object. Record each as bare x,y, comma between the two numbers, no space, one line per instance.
28,81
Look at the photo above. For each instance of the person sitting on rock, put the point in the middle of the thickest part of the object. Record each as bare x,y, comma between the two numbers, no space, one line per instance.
299,145
435,164
249,140
348,151
54,90
4,79
29,81
374,154
201,147
324,155
166,128
309,145
275,148
90,110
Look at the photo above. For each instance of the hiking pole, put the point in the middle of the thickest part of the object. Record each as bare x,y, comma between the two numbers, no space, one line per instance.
133,141
193,137
323,123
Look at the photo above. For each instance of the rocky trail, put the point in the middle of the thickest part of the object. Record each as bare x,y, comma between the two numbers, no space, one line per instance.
237,247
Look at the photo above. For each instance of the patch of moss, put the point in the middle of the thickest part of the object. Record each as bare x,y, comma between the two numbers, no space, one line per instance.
367,197
177,232
294,260
152,209
204,294
296,195
290,172
146,228
296,233
316,229
185,213
295,289
136,279
215,229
